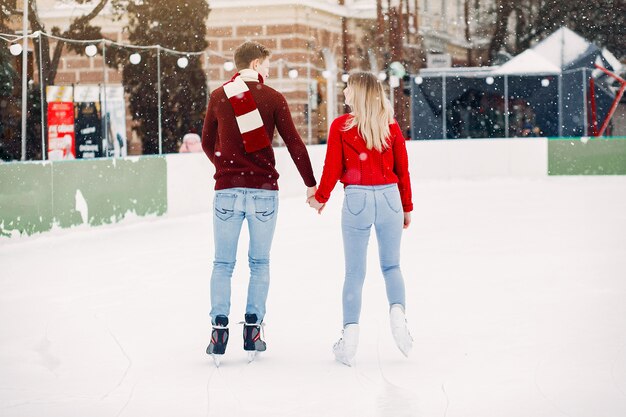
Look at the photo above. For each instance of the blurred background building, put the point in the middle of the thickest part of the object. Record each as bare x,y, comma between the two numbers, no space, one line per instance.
315,43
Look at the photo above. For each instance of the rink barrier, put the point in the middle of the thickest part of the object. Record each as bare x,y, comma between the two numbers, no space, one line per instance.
36,197
587,156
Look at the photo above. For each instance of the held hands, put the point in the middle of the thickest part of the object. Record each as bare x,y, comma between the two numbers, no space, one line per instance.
311,201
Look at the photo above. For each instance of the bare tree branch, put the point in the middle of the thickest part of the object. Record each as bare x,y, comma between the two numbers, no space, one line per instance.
90,16
56,58
504,10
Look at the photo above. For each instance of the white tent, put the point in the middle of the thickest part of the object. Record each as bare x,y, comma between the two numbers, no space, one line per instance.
568,50
563,50
528,62
563,47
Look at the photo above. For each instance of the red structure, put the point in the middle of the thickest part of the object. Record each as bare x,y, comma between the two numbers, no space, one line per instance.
616,101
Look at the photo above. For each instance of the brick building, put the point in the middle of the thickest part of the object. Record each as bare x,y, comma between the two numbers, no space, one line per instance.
313,42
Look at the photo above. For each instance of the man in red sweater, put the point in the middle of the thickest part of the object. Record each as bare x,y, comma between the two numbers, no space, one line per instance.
237,137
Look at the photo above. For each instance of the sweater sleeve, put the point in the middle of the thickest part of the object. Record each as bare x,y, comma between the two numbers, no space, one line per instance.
333,164
293,141
209,131
401,168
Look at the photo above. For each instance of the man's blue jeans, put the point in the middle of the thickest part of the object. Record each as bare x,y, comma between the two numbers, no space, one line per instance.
364,206
230,208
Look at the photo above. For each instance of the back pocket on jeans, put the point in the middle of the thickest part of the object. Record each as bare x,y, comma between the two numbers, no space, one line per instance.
264,207
224,204
393,200
355,203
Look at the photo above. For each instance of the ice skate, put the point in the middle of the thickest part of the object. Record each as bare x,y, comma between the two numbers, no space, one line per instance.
252,342
219,339
345,348
399,329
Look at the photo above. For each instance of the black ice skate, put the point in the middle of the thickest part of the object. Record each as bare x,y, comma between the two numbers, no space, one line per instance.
219,339
252,342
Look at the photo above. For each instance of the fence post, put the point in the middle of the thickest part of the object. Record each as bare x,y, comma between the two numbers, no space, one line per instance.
41,91
560,105
105,148
24,76
506,106
159,96
585,115
444,98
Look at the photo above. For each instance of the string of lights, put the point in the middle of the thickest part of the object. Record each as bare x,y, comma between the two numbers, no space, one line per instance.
91,50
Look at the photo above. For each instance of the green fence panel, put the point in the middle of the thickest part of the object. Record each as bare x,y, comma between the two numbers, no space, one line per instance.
25,198
587,157
36,196
103,191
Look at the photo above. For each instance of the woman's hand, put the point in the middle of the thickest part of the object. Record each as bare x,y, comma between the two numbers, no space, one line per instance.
407,219
313,203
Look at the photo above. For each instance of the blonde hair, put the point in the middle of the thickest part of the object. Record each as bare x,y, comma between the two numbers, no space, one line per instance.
371,110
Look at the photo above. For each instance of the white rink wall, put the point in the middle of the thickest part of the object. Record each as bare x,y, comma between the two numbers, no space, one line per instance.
190,176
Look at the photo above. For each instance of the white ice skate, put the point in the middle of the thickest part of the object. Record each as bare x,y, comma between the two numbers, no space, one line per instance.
399,329
345,348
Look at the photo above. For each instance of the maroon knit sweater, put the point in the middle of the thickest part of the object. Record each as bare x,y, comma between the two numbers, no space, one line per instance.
223,144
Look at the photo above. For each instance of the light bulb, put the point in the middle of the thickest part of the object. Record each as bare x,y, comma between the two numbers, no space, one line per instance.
135,58
182,62
15,49
91,50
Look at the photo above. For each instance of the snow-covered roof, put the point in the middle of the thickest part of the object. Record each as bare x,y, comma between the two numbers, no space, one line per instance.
563,47
528,62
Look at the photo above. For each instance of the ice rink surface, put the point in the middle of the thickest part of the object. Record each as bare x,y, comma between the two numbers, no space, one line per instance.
516,298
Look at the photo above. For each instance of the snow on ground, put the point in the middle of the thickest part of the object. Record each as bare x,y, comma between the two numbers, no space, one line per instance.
516,296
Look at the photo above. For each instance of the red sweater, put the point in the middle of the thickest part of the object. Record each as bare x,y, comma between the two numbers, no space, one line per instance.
223,144
348,160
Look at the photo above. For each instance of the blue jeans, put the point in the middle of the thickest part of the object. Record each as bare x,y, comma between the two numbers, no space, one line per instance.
364,206
230,208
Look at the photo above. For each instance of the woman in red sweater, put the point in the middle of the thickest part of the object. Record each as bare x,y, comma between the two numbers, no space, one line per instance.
366,151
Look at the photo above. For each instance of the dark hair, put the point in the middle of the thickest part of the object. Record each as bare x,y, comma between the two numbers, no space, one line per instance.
248,52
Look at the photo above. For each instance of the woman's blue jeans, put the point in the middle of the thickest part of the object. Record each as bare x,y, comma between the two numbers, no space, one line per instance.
230,208
364,206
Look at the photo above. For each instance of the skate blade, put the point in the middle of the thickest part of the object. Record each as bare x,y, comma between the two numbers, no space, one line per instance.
345,361
404,341
217,360
251,356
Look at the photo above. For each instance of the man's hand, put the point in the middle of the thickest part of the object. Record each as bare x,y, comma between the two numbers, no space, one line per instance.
310,192
407,220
